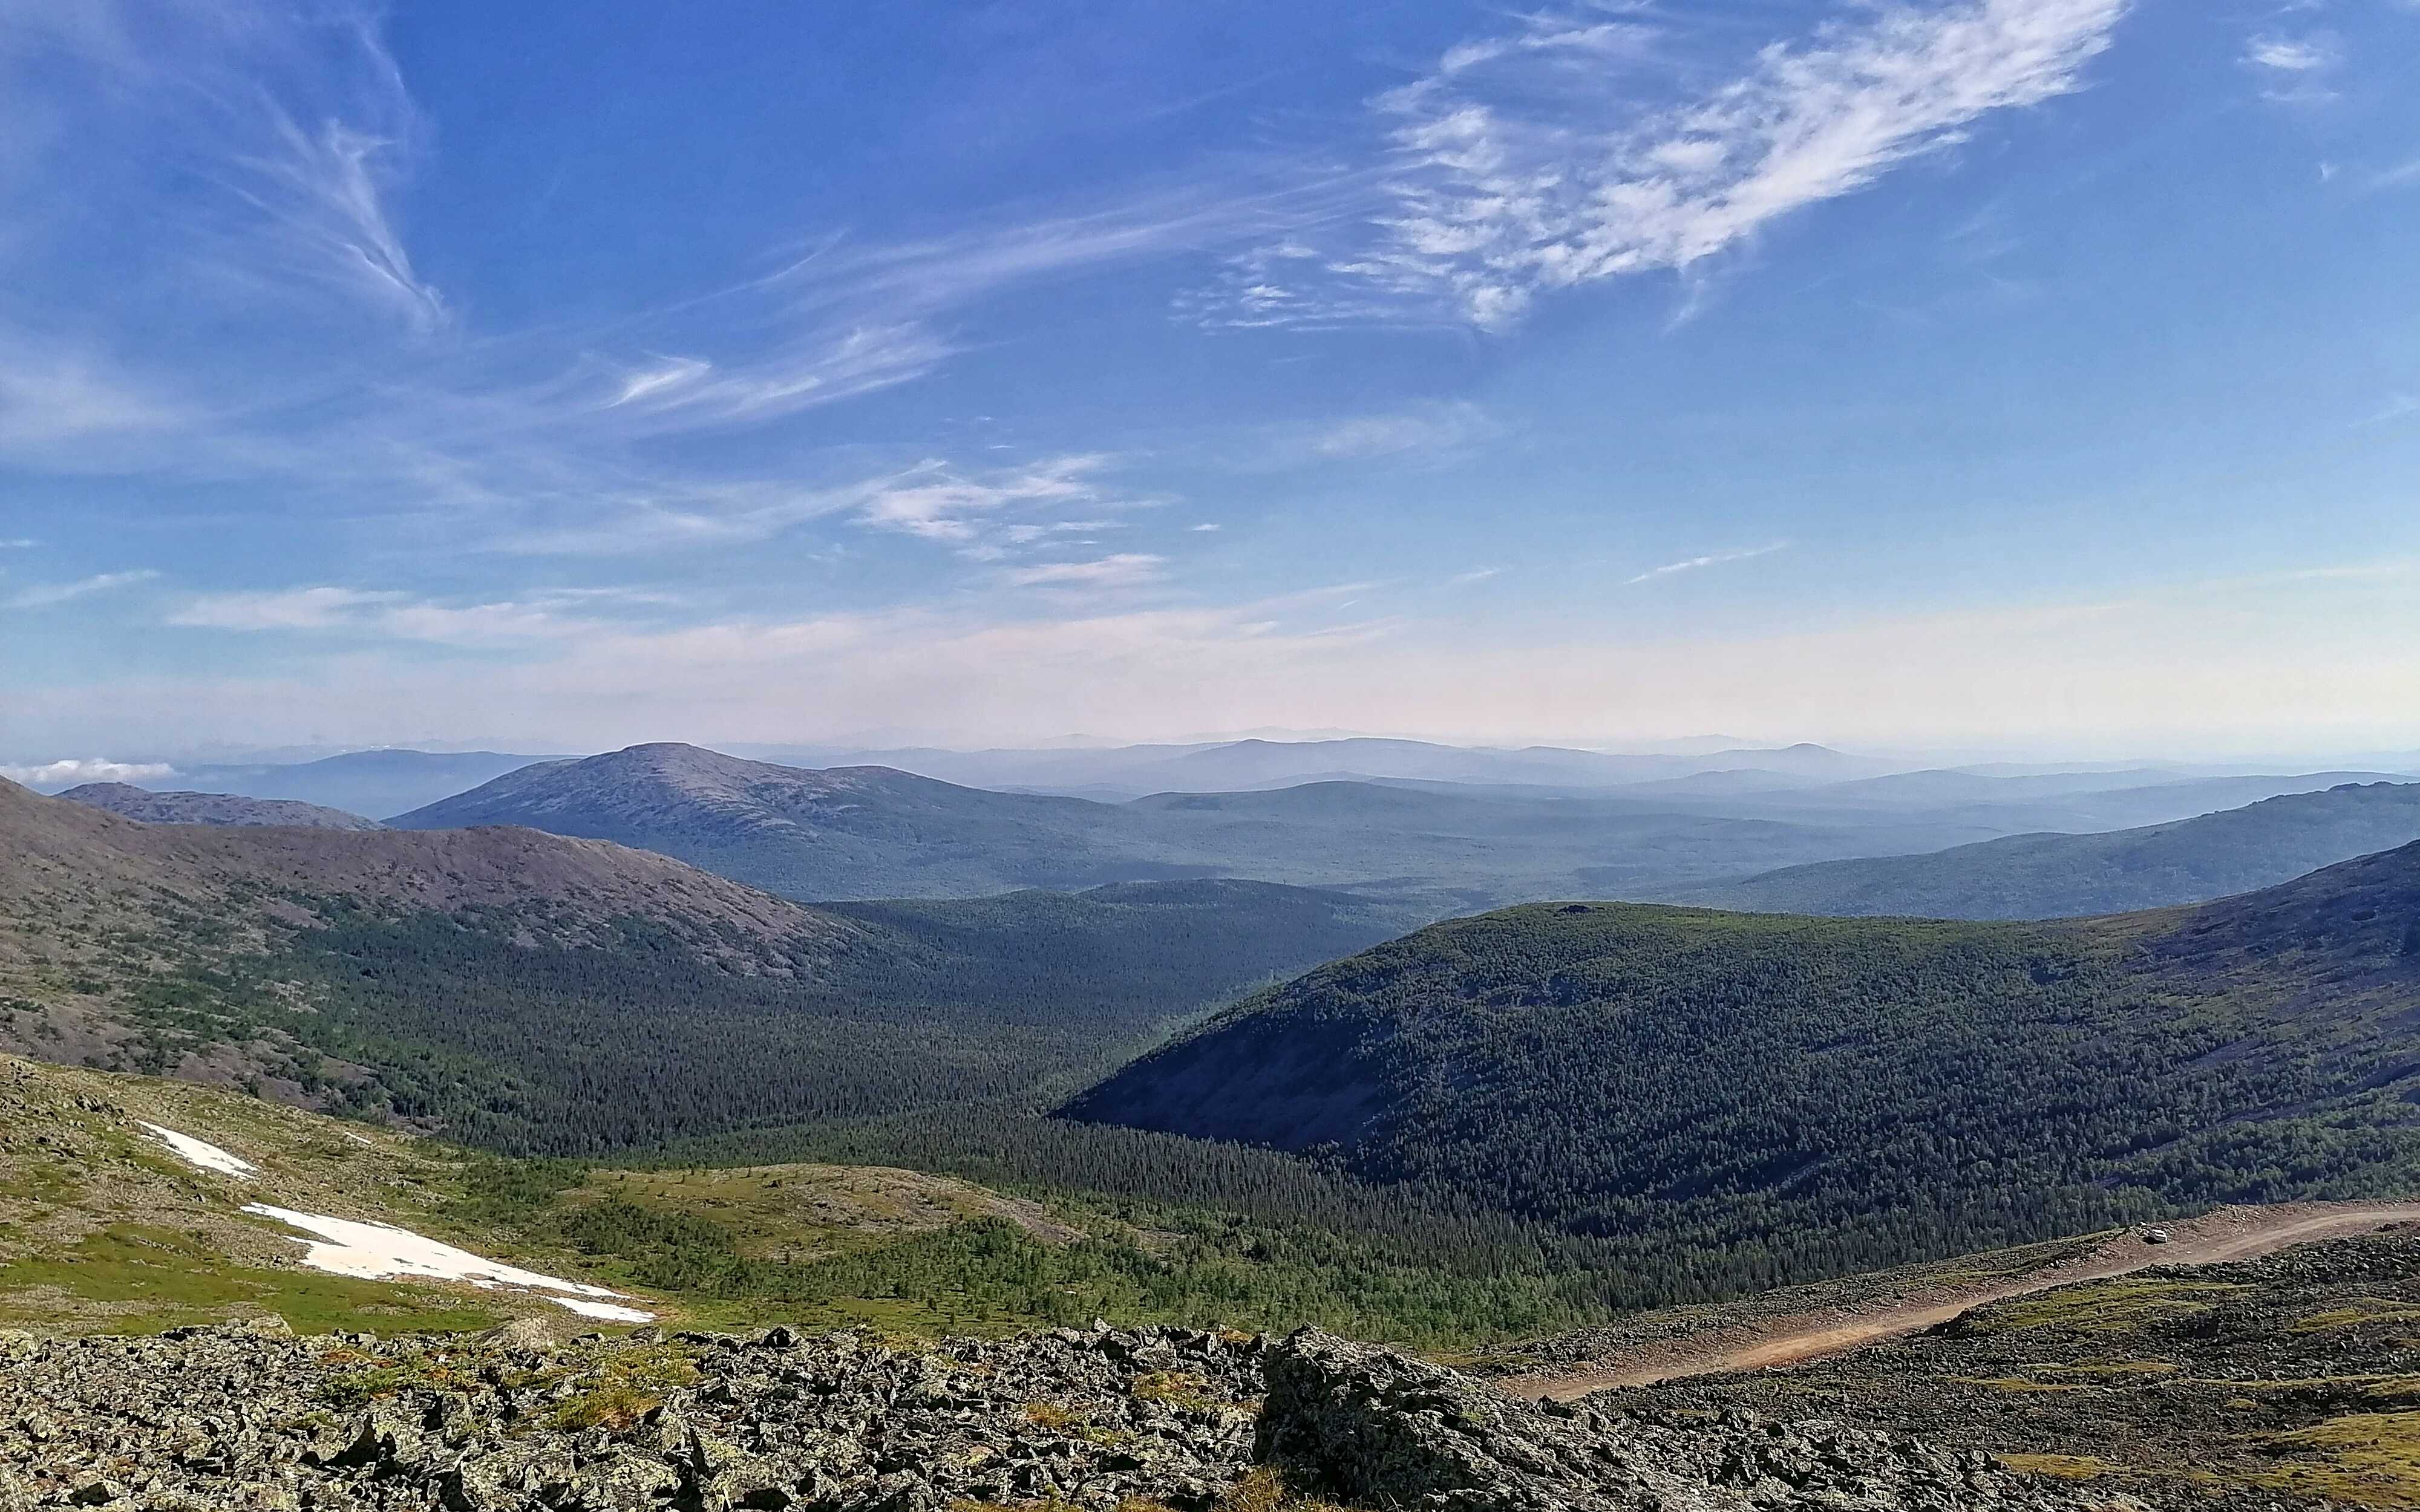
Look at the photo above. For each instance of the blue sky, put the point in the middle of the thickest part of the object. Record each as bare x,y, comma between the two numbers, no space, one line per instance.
2022,374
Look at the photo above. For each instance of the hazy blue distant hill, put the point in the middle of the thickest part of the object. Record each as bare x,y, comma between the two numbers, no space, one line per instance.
860,832
2054,877
374,782
857,831
1799,1095
1240,764
210,808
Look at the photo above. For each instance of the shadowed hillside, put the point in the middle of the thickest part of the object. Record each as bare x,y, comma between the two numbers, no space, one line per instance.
1809,1094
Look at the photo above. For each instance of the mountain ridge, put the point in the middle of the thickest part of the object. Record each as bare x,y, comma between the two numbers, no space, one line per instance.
170,807
2050,876
858,832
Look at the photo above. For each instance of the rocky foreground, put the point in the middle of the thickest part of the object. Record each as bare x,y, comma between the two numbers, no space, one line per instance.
257,1418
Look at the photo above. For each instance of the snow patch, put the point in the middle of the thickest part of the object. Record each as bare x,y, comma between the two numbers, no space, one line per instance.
205,1157
378,1252
612,1311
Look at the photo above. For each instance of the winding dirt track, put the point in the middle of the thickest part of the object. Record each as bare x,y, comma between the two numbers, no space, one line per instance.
2228,1234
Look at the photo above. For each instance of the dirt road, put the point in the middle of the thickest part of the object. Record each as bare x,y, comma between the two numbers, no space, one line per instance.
2228,1234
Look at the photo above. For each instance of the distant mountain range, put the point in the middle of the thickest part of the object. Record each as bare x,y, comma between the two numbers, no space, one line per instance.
210,808
1807,1095
2052,876
871,831
373,782
1239,765
532,991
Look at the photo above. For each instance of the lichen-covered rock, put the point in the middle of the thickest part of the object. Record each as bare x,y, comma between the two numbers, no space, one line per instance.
213,1418
1379,1429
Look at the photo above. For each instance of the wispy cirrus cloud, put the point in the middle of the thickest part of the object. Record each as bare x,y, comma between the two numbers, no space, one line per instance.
2402,176
393,614
1523,164
294,117
2397,407
1424,430
44,595
937,503
256,160
1124,569
1714,559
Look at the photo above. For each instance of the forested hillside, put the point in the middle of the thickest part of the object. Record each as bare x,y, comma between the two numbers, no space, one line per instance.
2060,876
1778,1097
539,994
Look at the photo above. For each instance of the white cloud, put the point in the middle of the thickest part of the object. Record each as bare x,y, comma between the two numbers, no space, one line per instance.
1712,560
2296,69
1476,575
46,594
52,776
938,504
21,543
2291,55
1522,164
1126,569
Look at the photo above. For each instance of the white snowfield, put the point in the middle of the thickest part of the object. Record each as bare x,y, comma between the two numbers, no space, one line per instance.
207,1157
379,1252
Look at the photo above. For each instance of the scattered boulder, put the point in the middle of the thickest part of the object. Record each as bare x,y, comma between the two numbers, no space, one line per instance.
508,1422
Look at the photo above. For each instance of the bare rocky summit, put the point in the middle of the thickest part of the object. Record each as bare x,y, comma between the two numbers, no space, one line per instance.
1100,1418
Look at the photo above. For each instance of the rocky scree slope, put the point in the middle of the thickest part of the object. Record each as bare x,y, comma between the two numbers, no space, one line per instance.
168,807
1096,1419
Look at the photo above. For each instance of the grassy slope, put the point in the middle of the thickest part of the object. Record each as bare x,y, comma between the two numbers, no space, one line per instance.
1776,1097
102,1228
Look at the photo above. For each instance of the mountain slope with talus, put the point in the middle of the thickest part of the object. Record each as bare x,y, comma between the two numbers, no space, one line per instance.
1813,1095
